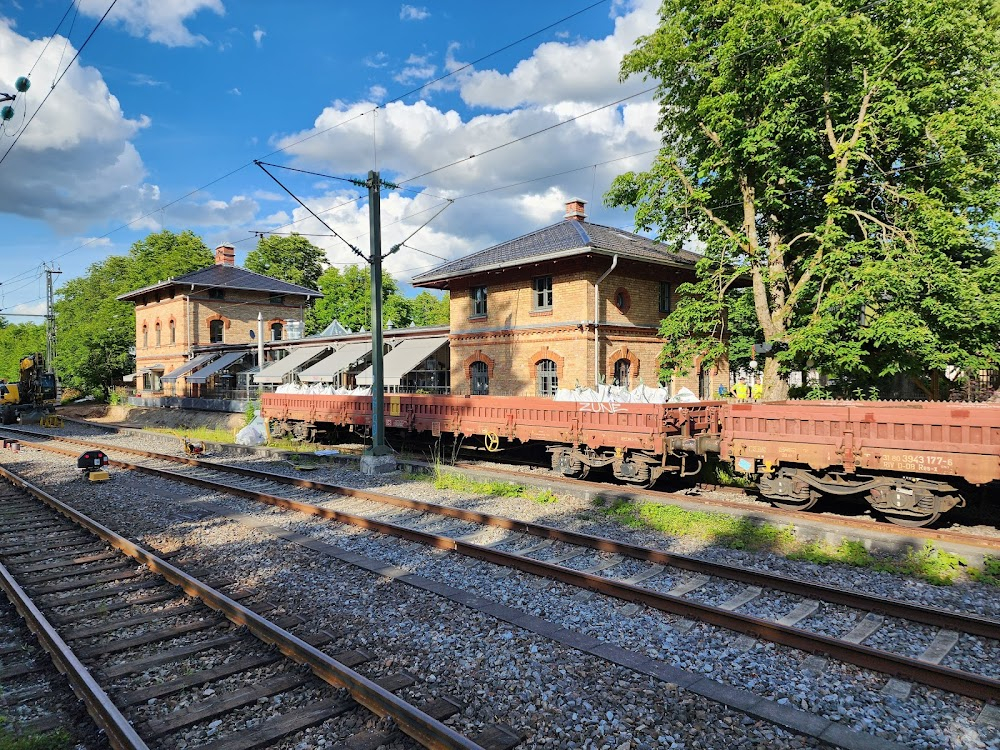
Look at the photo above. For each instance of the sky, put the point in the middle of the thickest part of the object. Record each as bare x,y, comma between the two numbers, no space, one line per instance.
158,121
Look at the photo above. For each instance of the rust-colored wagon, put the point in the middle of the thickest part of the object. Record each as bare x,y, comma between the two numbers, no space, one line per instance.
909,460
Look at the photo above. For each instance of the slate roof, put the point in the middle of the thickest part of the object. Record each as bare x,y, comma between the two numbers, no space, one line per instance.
566,238
227,277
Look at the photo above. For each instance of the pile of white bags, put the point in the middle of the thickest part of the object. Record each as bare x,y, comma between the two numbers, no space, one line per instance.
641,394
322,389
253,434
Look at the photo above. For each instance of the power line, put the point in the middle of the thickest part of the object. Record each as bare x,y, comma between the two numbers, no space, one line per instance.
56,82
51,36
529,135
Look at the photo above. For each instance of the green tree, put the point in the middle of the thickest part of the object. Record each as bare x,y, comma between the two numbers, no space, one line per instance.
18,340
428,310
95,330
347,298
841,157
291,258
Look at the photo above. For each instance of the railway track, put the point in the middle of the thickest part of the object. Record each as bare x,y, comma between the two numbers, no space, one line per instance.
769,607
154,652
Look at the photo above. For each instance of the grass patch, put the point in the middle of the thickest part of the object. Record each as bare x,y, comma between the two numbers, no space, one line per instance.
209,434
446,480
928,564
721,473
57,740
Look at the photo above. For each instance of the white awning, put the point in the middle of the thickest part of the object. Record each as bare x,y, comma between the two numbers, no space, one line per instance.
297,356
151,368
130,377
328,368
405,357
192,364
221,363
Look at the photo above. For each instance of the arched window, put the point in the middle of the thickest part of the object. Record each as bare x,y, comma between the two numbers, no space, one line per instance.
215,329
145,337
704,385
173,332
622,370
480,373
545,377
275,331
157,333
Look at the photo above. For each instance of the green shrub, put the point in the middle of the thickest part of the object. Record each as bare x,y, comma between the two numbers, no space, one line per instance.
118,395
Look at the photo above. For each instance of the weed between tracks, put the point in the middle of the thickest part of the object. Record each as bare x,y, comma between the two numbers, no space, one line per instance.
928,564
446,480
57,740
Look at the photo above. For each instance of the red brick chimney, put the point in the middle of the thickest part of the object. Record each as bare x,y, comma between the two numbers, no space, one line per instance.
225,255
574,210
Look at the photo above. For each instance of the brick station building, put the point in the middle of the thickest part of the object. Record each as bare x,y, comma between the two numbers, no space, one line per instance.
215,306
524,319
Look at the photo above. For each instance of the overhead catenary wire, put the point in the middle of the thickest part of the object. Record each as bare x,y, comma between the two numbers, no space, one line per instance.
48,41
57,80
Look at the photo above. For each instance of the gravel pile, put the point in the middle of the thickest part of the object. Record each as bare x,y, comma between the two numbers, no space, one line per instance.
558,697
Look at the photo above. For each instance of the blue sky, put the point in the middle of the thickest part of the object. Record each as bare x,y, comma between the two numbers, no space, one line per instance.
168,97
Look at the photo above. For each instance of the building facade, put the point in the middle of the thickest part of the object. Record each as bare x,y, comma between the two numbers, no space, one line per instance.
218,306
572,304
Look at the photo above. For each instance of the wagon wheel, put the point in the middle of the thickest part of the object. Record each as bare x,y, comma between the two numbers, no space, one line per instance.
769,489
562,461
913,522
788,504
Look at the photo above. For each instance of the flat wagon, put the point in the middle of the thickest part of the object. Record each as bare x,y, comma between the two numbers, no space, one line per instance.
910,460
639,441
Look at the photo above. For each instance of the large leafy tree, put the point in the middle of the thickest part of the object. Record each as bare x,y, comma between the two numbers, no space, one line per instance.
428,310
18,340
95,330
840,158
347,298
290,258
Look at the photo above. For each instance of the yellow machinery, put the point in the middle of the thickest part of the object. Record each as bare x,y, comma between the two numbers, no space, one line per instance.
30,398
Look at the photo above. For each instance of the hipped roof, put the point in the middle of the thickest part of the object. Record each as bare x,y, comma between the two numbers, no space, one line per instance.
222,276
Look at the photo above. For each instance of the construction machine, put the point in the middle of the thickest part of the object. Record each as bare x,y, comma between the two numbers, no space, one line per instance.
32,396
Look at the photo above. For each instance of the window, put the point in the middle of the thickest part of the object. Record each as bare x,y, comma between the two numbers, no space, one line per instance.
276,299
478,295
215,329
480,373
216,293
145,337
665,296
173,332
543,293
275,331
157,334
622,370
545,376
623,300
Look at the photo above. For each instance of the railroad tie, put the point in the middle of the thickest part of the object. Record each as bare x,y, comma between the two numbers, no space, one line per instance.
936,650
746,596
802,610
686,588
643,575
863,630
600,565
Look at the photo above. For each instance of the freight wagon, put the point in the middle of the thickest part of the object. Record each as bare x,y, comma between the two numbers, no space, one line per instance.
910,461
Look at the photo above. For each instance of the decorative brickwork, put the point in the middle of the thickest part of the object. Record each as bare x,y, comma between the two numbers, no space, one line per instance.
546,353
622,353
478,356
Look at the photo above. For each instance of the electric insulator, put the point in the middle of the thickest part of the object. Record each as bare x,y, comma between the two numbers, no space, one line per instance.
7,112
22,84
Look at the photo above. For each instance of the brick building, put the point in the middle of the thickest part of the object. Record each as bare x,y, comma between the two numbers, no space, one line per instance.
573,303
216,306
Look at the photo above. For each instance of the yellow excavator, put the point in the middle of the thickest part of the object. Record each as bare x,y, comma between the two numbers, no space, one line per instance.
32,396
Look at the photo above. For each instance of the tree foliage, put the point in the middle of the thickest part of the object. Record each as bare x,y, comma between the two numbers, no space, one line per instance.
290,258
840,157
347,298
94,330
18,340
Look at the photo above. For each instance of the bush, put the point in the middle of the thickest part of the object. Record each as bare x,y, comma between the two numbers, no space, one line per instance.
69,395
118,395
251,409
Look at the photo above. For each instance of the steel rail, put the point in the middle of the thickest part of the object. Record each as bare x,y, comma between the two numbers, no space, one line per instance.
413,722
934,675
974,625
120,732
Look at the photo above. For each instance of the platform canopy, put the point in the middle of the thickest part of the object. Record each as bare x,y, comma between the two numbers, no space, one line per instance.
328,368
221,363
151,368
297,356
191,364
405,357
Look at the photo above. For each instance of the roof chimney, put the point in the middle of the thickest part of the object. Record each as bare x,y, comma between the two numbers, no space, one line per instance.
225,255
574,210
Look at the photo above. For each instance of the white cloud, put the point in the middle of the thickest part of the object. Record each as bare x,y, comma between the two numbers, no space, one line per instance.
26,308
418,68
417,138
377,93
94,241
141,79
266,195
378,60
157,20
258,36
413,13
235,91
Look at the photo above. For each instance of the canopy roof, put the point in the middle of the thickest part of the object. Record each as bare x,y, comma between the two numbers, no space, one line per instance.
221,363
328,368
298,356
405,357
191,364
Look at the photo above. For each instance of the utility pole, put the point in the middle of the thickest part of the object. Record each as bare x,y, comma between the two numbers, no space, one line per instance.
50,322
379,447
